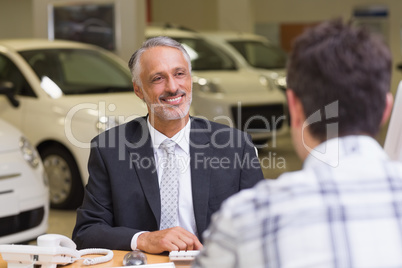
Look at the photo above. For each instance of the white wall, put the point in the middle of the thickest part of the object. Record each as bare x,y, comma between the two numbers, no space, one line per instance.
205,14
194,14
15,18
235,15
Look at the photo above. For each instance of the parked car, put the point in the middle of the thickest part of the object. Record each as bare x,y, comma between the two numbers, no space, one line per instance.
225,91
62,94
24,200
253,52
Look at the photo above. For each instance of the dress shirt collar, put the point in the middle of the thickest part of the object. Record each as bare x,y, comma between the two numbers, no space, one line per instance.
182,138
333,150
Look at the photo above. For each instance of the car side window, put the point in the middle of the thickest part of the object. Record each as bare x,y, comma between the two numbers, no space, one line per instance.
261,55
10,72
205,56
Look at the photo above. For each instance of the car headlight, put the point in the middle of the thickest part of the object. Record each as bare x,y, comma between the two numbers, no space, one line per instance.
29,152
280,82
265,81
106,122
203,85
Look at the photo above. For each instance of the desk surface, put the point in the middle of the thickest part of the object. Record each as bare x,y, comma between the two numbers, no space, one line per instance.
117,261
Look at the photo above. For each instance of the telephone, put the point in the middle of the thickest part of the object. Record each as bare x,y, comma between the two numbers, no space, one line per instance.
52,249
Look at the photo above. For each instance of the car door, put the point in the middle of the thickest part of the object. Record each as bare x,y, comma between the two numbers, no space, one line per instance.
10,72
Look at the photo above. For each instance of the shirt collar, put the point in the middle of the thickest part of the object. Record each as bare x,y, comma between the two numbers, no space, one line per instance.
333,151
182,138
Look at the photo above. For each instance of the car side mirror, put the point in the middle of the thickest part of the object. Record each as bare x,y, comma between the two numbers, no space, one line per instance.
7,88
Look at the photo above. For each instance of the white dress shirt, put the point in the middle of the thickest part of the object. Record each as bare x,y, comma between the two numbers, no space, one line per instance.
186,218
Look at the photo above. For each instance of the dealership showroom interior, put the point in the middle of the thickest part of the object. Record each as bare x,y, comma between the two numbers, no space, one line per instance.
66,71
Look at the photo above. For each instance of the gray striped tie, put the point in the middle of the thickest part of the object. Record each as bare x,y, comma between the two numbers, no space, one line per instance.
169,186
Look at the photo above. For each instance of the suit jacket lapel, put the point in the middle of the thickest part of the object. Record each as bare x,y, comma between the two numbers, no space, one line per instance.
140,143
200,176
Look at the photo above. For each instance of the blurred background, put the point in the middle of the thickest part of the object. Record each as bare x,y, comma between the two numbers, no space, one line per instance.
238,50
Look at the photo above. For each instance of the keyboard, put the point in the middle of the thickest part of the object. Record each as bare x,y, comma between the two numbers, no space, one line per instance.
155,265
177,256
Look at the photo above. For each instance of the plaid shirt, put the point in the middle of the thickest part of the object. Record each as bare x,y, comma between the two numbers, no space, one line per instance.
343,209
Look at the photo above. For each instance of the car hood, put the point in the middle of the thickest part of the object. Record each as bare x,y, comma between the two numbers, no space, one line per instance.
272,73
9,137
234,81
123,106
275,72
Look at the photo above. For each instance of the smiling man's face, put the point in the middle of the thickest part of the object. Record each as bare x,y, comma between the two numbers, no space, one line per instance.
166,83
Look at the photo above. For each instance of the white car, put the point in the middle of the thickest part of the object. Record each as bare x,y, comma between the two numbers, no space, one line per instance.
62,94
24,200
226,92
253,52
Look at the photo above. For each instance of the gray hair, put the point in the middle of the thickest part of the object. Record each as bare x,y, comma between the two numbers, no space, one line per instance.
159,41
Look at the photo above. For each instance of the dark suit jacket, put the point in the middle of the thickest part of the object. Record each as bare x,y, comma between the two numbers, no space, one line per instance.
122,194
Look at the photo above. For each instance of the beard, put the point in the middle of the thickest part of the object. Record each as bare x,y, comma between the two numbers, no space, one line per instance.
167,111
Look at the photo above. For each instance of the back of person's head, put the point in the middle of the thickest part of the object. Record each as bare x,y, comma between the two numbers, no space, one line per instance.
334,62
159,41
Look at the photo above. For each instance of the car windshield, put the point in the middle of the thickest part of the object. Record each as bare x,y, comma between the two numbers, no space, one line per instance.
205,56
261,55
79,71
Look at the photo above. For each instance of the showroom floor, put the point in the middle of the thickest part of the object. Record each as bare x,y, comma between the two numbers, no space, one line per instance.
276,159
61,222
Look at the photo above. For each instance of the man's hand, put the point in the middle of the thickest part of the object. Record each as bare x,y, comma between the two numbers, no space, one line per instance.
171,239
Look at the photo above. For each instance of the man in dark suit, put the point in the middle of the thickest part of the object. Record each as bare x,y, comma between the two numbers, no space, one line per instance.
124,204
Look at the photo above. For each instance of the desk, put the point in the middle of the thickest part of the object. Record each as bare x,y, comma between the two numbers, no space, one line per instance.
117,261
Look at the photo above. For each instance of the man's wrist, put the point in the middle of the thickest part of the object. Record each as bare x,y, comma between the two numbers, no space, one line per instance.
134,244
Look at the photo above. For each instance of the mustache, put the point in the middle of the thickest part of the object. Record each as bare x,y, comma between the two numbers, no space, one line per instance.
172,94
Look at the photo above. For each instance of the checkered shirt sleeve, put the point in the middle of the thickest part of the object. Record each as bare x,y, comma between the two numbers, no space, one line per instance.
349,215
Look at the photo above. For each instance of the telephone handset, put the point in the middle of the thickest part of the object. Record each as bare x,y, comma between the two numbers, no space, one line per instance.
52,249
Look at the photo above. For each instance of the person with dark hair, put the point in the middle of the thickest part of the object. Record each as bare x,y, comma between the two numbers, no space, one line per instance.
155,181
344,208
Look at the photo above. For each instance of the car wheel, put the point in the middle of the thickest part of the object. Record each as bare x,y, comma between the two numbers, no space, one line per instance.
66,189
